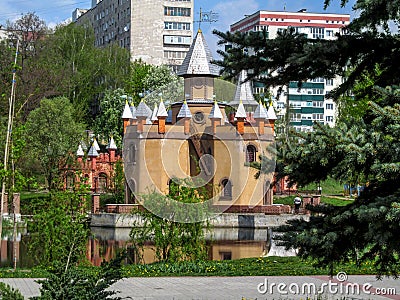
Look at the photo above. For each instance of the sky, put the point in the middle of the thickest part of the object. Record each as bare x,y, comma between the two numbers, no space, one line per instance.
231,11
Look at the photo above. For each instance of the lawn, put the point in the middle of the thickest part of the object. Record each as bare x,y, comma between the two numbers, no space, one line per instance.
263,266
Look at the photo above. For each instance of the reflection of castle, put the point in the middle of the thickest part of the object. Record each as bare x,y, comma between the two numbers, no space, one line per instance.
202,138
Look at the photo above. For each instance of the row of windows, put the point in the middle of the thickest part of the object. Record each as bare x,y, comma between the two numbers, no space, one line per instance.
177,40
177,11
175,54
176,26
318,33
297,104
300,20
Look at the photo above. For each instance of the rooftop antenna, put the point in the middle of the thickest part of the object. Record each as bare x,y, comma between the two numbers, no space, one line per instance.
284,6
207,17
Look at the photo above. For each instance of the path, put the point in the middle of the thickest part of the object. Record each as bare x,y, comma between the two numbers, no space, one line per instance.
234,287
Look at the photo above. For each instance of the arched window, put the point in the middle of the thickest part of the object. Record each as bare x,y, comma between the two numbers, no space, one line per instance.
132,154
70,180
102,183
250,153
226,189
267,193
131,191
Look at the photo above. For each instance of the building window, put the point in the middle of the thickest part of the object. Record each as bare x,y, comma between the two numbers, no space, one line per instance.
329,106
177,11
329,82
226,189
177,39
176,26
250,153
318,104
318,33
329,118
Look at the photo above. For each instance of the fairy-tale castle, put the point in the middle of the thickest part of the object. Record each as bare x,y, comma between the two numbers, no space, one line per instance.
202,138
95,167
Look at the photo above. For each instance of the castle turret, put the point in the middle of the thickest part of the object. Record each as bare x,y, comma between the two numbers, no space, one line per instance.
126,115
162,115
112,147
186,115
240,116
260,115
142,113
215,116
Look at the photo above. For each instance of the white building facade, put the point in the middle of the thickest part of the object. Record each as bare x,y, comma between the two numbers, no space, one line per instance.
155,31
309,104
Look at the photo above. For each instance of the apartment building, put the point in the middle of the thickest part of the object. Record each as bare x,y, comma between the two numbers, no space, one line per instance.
155,31
310,103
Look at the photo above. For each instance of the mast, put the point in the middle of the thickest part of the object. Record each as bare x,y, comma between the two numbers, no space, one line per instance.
8,137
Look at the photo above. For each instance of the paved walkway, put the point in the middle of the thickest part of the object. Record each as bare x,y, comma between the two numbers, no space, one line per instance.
240,287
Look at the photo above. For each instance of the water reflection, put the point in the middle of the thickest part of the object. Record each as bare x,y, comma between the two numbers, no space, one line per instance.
105,243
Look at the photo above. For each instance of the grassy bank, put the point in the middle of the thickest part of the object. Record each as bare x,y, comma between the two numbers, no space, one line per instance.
268,266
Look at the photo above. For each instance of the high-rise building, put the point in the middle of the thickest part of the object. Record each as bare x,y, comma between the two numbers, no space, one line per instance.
310,103
155,31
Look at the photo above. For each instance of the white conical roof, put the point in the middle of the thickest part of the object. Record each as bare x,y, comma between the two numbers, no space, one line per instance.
93,152
198,59
143,110
185,111
80,152
95,144
154,115
241,112
215,112
111,145
127,114
260,112
162,111
133,111
244,92
271,113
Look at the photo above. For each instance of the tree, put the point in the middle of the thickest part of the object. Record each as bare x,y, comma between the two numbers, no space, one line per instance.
52,135
360,149
172,240
59,232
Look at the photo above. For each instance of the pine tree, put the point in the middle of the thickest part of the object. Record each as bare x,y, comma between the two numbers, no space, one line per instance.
364,146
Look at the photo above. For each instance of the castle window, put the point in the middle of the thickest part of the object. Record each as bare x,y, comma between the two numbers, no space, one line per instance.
226,189
250,153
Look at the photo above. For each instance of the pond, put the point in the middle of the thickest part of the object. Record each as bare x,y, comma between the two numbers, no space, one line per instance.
105,243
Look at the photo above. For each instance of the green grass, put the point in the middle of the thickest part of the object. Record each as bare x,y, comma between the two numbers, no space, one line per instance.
329,187
267,266
271,266
288,200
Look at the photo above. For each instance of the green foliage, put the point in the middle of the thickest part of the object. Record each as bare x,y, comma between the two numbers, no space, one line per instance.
265,266
172,240
9,293
361,149
119,183
109,122
135,81
59,231
81,283
52,134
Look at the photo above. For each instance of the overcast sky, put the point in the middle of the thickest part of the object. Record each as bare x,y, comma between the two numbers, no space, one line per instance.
231,11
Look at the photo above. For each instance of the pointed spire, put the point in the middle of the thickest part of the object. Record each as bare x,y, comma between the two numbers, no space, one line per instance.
244,91
111,145
241,112
80,152
271,113
162,111
143,110
185,111
260,112
215,112
96,145
198,59
133,111
154,115
127,114
92,151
